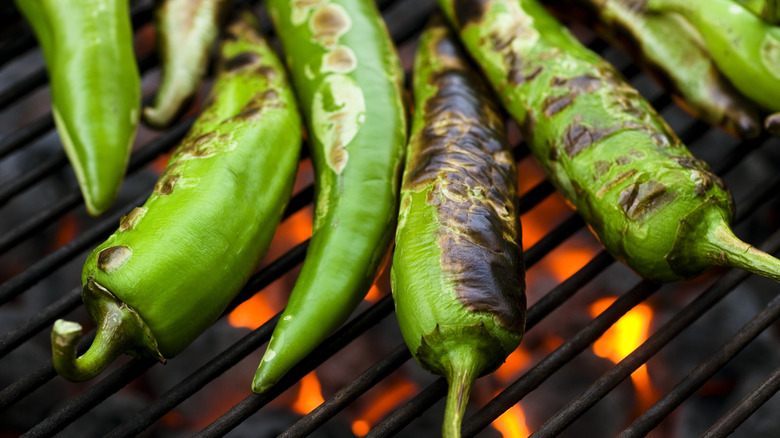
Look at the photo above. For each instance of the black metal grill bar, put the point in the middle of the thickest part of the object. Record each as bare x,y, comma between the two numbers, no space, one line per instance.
328,409
324,351
746,407
15,47
639,356
696,378
26,135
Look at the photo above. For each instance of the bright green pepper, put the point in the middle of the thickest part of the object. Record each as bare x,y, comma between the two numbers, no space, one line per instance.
767,10
650,202
186,31
95,88
458,277
670,48
746,49
175,263
348,80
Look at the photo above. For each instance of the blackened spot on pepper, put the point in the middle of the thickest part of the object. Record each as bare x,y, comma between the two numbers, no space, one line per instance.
462,153
129,221
195,147
601,167
615,182
266,72
166,184
555,104
622,161
579,137
241,60
112,258
467,11
534,73
642,198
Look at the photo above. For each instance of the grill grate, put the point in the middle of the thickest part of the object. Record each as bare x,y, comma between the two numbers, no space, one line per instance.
405,18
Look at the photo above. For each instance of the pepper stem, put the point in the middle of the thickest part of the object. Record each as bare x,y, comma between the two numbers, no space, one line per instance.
706,239
120,329
462,367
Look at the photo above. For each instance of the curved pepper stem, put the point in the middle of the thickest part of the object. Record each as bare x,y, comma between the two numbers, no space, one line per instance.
461,370
120,329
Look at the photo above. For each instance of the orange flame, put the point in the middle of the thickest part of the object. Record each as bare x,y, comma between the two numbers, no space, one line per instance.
67,230
309,396
381,405
252,313
517,361
374,294
621,339
512,423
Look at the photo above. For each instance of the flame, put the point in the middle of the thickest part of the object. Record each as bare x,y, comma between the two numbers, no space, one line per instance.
67,230
309,396
516,362
511,423
621,339
383,403
252,313
159,163
572,259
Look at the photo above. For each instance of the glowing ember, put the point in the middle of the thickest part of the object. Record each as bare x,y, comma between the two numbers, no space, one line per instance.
383,403
67,230
309,396
565,261
512,424
621,339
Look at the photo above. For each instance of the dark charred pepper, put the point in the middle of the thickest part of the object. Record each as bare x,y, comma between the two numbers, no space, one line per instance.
349,83
650,202
670,49
95,88
186,30
458,277
175,263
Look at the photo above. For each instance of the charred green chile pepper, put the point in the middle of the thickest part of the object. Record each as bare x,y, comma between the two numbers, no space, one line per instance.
670,48
767,10
348,80
650,202
186,30
175,263
458,276
746,49
95,88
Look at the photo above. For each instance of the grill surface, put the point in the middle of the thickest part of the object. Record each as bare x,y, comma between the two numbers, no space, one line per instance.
38,194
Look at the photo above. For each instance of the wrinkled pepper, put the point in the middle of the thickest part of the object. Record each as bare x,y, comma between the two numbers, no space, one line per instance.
458,277
349,83
175,263
95,88
185,31
649,201
670,49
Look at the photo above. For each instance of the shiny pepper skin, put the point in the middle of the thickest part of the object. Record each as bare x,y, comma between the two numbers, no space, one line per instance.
349,83
671,50
95,88
650,202
746,49
185,31
176,262
458,277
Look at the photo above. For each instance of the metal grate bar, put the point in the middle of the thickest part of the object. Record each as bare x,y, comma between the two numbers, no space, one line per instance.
746,407
330,346
328,409
638,357
696,378
25,135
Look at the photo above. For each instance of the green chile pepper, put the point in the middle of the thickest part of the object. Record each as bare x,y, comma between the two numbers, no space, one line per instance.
650,202
95,88
746,49
670,48
767,10
186,31
348,80
458,277
175,263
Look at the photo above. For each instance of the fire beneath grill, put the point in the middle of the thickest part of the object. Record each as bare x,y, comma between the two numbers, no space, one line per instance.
605,352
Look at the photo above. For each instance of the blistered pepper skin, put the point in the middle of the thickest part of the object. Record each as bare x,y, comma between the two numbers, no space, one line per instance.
650,202
670,49
457,275
348,80
176,262
185,31
746,49
95,88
